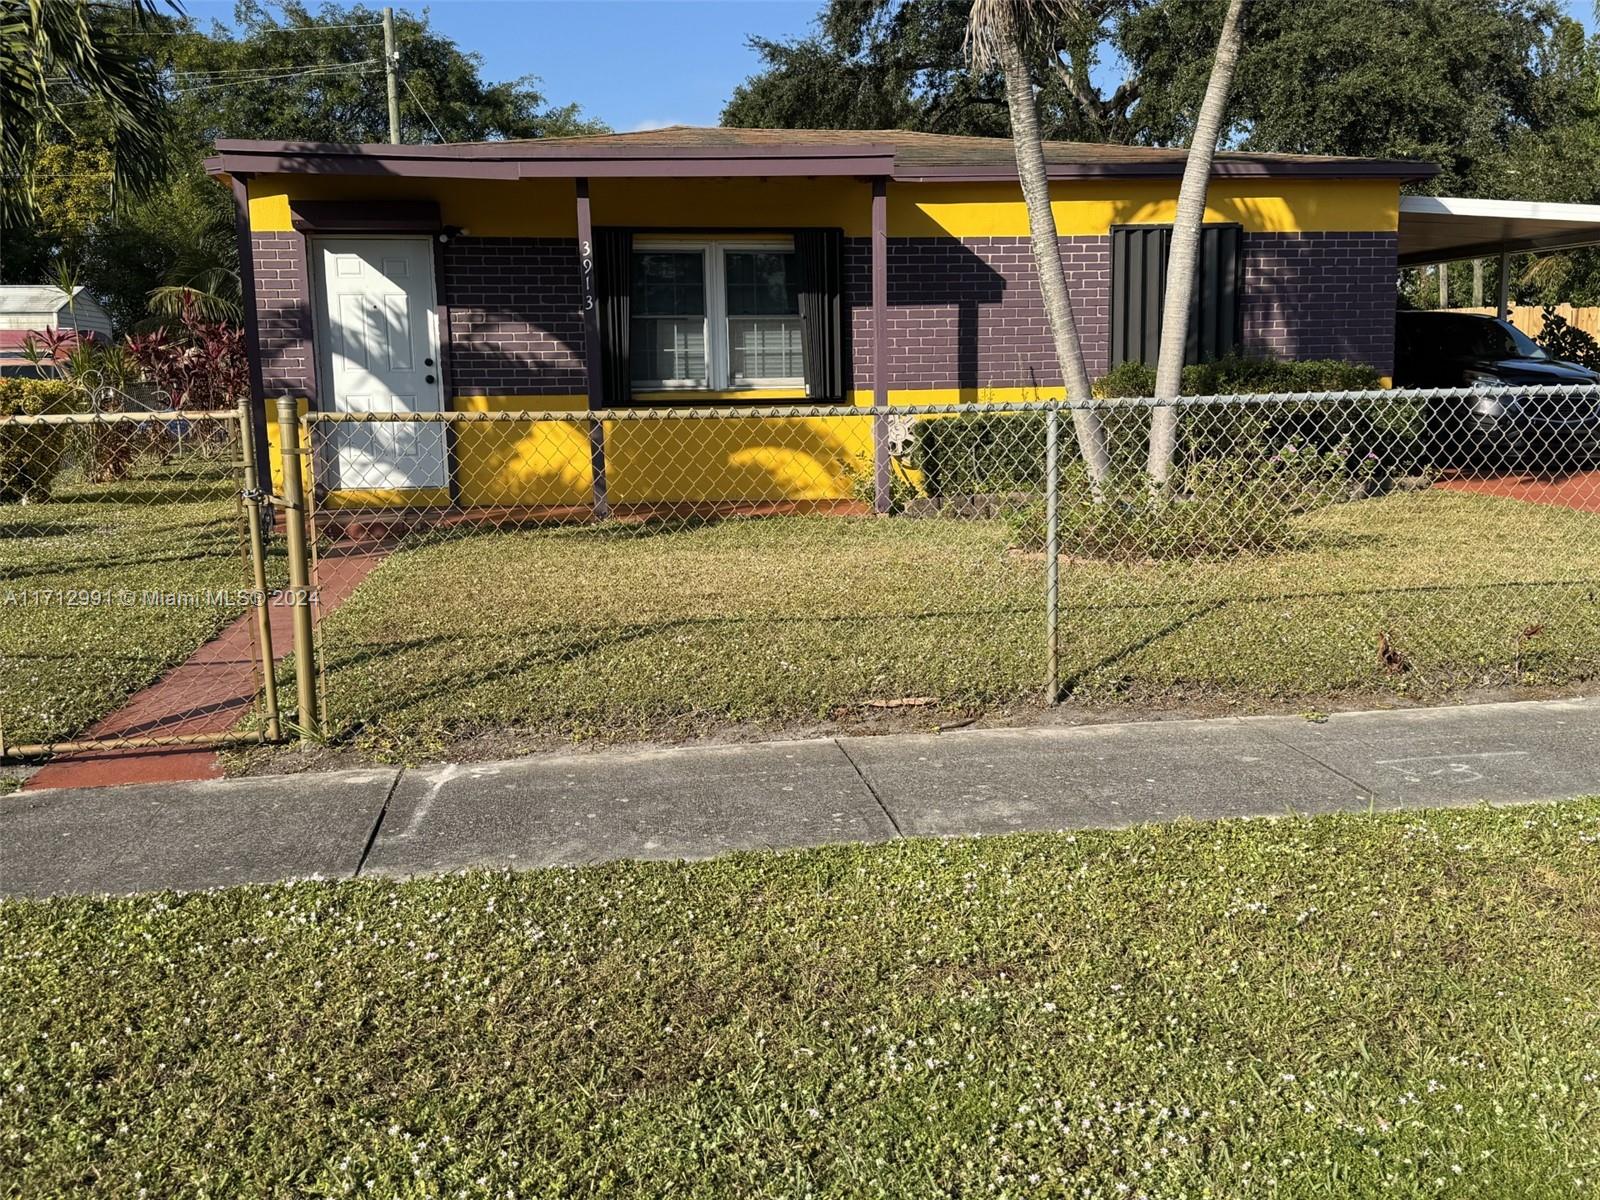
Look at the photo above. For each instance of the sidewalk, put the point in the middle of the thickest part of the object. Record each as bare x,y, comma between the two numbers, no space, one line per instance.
698,801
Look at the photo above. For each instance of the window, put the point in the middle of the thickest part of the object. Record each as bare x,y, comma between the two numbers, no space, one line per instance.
717,315
1139,286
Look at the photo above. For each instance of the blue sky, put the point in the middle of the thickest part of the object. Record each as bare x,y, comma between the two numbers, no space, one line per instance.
633,63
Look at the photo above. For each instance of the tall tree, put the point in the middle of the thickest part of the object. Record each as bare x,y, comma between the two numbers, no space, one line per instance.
897,64
292,73
1316,77
997,34
1183,257
65,67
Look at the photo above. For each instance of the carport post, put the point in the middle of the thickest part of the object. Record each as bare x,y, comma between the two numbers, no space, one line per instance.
1504,301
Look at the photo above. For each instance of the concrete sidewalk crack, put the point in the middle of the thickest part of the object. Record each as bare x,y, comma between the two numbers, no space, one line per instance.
1369,792
383,811
867,783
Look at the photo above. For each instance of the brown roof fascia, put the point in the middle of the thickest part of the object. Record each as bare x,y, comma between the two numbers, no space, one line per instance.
536,160
496,161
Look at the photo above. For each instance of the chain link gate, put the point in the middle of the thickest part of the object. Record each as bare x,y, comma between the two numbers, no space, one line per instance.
135,580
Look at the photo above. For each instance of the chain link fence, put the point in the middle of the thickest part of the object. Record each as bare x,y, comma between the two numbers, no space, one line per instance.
659,571
132,552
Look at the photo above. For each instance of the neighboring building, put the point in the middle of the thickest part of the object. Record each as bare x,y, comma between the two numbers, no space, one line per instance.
730,266
28,310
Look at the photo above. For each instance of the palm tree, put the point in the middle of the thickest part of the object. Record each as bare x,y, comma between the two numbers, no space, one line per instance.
1183,258
996,31
63,64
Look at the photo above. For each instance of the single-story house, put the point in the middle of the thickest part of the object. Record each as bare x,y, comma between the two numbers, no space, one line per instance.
714,266
29,310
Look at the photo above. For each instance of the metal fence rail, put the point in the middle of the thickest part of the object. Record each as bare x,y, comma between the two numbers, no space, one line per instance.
130,542
629,569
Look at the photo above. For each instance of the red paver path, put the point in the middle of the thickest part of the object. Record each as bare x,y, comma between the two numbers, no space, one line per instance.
1580,490
209,692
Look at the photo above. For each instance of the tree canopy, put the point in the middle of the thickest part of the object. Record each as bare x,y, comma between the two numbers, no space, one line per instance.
1457,82
318,76
290,73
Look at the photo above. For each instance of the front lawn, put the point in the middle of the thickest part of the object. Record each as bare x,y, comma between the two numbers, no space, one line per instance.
1404,1005
620,632
84,582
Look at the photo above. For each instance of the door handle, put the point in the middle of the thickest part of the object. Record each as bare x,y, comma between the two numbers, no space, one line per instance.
428,378
427,362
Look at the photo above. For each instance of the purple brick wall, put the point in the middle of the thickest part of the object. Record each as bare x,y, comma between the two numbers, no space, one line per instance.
1321,295
283,313
969,314
961,313
516,325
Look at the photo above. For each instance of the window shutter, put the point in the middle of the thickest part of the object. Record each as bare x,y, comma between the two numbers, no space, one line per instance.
821,261
1139,256
613,277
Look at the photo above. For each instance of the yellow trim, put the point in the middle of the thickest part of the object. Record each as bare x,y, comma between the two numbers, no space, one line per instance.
547,208
1092,207
485,208
434,497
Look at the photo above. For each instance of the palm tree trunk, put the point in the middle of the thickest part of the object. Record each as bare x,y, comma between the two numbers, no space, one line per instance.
1185,253
1047,254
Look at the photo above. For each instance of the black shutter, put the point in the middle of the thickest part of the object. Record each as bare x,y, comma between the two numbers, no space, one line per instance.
613,277
821,261
1139,256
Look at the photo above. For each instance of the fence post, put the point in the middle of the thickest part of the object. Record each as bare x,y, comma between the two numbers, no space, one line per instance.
1052,551
294,505
251,493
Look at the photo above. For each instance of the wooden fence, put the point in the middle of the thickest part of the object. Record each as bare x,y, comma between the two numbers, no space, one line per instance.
1530,317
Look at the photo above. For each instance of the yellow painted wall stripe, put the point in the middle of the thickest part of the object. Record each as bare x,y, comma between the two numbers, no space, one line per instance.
545,208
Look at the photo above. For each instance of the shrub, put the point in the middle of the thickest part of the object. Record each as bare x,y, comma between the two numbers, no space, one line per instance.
1559,338
1226,506
31,455
990,452
1005,451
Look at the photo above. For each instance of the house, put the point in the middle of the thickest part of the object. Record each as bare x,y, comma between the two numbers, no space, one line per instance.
690,266
30,310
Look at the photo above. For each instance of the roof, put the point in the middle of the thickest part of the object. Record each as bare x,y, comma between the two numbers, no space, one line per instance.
685,150
1448,228
25,299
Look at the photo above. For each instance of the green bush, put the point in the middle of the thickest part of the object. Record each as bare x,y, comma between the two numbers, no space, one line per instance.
30,455
998,452
1224,507
1004,452
1561,339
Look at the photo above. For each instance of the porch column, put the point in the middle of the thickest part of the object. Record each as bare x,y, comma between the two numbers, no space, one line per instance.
593,380
252,330
880,344
1504,299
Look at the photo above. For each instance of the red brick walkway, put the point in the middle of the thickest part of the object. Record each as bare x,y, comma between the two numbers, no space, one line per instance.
209,692
1579,490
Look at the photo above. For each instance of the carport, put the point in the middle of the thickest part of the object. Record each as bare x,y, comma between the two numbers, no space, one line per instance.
1445,229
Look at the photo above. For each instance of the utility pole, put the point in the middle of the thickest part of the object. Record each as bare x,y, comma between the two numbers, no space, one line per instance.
390,62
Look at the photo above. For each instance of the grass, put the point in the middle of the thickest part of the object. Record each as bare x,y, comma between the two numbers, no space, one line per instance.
1404,1005
612,632
77,632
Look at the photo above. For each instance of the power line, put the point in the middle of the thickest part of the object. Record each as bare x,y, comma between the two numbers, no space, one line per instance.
307,73
410,91
265,32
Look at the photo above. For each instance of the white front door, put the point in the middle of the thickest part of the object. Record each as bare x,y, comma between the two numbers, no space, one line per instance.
378,346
